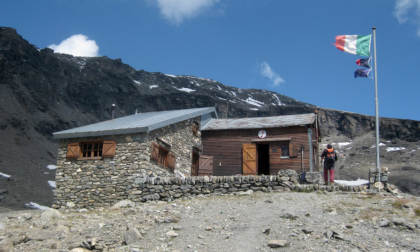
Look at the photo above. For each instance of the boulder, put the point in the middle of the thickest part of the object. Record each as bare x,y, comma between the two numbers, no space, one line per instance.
50,214
6,246
80,250
287,173
123,204
289,216
27,216
132,235
171,234
154,196
278,243
70,204
313,178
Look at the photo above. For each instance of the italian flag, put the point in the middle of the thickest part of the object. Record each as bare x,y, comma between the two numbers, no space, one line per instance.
354,44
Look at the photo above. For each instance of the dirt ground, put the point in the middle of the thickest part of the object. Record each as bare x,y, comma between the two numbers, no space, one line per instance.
316,221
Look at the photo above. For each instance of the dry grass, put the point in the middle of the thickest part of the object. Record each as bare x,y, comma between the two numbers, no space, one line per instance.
417,211
400,202
371,213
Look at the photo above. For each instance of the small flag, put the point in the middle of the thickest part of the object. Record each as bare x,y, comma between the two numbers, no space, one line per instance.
354,44
362,73
363,62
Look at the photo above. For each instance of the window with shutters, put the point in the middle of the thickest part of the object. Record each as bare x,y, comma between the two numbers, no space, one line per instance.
288,150
91,149
162,156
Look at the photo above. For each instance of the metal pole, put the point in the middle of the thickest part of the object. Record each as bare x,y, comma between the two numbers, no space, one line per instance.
227,108
378,167
310,149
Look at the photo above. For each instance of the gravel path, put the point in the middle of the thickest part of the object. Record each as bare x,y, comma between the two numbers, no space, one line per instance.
286,221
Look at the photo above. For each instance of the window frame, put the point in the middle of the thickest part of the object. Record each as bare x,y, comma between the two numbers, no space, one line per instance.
162,156
77,150
92,149
285,149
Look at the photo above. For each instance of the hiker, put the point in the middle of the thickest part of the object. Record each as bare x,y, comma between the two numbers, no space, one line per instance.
330,156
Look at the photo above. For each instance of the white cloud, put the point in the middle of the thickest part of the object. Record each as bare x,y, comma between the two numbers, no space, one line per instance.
176,11
266,71
402,12
77,45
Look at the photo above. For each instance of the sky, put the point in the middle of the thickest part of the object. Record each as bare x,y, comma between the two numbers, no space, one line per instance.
281,46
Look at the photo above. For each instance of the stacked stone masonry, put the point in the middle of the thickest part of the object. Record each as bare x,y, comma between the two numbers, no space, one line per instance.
140,189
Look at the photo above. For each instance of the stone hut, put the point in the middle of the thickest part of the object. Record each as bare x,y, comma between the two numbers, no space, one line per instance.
110,155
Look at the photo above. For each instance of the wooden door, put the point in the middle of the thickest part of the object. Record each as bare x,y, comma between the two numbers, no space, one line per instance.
205,167
194,163
249,159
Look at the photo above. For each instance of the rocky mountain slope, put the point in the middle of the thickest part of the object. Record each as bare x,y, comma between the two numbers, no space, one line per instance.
42,92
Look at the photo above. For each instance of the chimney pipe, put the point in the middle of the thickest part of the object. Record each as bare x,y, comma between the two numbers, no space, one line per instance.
112,111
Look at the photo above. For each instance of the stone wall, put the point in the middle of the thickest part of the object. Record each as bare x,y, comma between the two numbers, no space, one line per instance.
98,181
144,188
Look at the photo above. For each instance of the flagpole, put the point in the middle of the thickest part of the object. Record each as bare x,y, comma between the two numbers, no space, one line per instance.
376,107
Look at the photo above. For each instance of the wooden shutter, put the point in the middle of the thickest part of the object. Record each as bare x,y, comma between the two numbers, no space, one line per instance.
73,150
293,151
108,148
205,166
194,129
249,166
154,155
170,160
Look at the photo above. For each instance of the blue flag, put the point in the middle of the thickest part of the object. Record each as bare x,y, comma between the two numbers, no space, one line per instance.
362,73
363,62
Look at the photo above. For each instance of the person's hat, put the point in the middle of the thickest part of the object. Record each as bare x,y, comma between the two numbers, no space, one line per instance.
329,146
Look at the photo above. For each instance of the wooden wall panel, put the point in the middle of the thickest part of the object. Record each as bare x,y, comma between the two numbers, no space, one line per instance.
226,148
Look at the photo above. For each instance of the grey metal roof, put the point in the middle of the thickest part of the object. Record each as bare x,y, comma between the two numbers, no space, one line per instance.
141,122
260,122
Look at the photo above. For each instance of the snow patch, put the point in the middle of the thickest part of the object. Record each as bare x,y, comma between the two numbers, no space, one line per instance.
233,93
380,144
278,100
52,183
218,87
35,205
137,82
188,90
254,102
153,86
5,175
52,167
352,183
343,144
390,149
170,75
253,109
